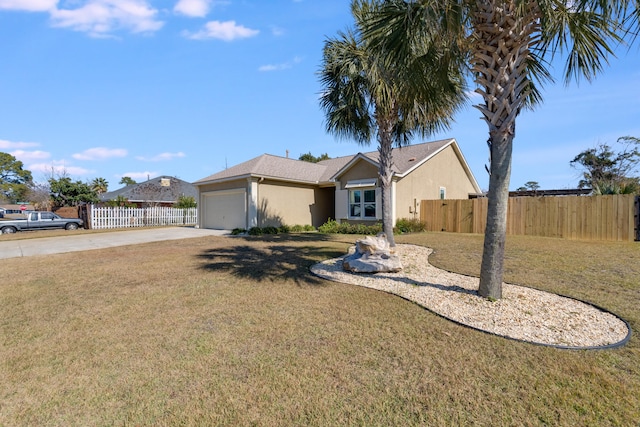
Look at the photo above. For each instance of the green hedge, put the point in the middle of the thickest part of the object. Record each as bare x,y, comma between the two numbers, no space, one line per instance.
284,229
333,227
404,225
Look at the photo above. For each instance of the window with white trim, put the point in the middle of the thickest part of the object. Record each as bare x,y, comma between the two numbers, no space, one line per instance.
362,204
443,193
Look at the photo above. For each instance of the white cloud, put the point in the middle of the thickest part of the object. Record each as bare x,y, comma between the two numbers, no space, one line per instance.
100,17
100,153
227,31
8,145
161,157
280,67
195,8
27,156
29,5
59,168
140,176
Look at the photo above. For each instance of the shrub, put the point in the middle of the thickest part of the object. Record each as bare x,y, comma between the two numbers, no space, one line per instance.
333,227
185,202
309,227
237,231
255,231
284,229
329,227
297,228
270,230
405,225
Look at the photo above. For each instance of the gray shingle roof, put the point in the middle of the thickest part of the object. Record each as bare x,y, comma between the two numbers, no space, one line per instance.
270,166
281,168
153,191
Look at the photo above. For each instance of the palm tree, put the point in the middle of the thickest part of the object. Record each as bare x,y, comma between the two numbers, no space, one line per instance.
364,97
508,44
99,185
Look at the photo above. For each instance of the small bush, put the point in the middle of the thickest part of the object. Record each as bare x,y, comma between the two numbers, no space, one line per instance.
270,230
237,231
309,227
297,228
284,229
404,225
333,227
329,227
255,231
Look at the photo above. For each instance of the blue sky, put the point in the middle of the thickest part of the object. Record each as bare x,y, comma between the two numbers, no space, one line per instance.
112,88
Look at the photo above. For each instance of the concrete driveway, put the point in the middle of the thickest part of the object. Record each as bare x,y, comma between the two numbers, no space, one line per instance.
62,244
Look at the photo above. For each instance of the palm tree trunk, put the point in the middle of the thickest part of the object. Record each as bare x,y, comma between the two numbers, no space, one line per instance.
496,230
385,145
503,34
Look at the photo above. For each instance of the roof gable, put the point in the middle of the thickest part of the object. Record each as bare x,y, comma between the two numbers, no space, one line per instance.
405,159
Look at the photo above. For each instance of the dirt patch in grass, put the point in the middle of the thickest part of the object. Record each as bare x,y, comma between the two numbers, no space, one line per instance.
236,331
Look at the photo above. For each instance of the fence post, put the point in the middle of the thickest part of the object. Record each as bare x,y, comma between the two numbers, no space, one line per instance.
636,217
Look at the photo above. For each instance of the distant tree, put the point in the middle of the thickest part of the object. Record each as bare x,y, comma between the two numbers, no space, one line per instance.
99,185
127,181
14,179
185,202
308,157
609,172
39,195
529,186
65,192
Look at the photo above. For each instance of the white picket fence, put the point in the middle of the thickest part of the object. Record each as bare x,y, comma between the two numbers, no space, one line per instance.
107,217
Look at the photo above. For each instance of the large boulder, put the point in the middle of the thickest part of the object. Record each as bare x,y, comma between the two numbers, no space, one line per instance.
372,255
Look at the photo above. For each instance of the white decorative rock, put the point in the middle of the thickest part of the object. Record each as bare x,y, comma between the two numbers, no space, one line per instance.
372,255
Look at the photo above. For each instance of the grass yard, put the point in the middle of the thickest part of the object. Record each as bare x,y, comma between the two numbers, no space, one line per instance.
235,331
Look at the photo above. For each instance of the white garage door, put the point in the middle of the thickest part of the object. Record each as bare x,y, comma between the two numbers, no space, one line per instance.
225,210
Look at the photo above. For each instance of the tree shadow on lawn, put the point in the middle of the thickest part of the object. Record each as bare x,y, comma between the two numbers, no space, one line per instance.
272,258
438,286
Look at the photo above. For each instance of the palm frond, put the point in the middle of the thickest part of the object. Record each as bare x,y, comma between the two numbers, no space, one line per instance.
585,31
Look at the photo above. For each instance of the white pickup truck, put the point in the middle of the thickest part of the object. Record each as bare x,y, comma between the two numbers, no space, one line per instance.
39,221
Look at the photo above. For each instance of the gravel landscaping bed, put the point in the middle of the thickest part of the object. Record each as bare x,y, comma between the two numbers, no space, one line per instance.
523,313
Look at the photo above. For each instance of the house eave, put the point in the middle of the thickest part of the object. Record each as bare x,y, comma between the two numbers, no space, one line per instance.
256,176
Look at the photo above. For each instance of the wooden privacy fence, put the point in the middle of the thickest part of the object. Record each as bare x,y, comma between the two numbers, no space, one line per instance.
119,217
613,217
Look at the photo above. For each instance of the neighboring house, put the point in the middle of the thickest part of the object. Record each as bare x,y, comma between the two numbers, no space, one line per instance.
272,190
160,191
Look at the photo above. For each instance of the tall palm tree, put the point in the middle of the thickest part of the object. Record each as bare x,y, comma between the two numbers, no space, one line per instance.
99,185
508,45
365,97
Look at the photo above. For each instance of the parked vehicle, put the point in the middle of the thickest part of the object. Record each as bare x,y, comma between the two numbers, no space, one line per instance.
39,221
